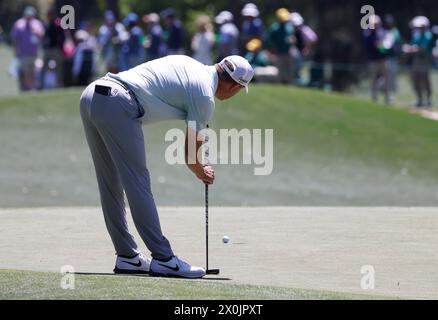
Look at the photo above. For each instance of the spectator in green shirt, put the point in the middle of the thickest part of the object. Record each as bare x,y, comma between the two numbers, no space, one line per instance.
258,58
391,45
279,41
420,49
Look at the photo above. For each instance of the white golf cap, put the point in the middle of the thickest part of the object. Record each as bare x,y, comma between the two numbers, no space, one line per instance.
374,19
239,70
420,21
296,19
224,16
250,10
82,35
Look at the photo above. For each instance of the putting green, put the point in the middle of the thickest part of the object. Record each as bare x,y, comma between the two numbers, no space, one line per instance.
43,285
324,249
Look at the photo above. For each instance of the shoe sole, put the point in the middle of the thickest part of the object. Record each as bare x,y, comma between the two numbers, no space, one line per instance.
167,275
124,271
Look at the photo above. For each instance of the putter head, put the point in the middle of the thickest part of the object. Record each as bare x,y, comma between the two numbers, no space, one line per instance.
212,271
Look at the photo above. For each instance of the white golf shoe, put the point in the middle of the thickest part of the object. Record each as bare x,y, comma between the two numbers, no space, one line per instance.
175,267
135,265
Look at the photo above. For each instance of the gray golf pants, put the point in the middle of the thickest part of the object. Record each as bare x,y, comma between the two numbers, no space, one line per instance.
115,137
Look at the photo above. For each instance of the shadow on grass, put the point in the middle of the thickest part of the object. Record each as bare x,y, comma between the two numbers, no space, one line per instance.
144,276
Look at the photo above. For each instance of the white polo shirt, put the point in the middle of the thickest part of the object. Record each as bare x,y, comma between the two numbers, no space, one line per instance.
173,87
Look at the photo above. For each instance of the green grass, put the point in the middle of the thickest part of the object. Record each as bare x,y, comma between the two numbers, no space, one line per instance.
329,149
405,96
39,285
8,86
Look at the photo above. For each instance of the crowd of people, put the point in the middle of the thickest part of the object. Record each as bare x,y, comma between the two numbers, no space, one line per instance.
276,52
386,49
71,57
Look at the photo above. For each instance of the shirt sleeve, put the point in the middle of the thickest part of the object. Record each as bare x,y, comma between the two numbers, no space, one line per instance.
200,112
309,34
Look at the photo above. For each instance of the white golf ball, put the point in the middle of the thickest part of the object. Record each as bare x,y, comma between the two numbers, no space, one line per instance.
225,239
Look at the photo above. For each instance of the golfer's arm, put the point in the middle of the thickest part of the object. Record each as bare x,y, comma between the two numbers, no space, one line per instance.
191,158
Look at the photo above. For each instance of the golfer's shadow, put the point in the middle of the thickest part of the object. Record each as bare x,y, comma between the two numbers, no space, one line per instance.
143,276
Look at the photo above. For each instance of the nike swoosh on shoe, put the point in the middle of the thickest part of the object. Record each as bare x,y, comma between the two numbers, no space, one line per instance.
138,264
176,268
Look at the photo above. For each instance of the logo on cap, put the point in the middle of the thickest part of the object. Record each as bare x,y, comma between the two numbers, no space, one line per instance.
243,80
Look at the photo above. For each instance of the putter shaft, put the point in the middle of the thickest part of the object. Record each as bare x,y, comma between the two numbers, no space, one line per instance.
207,271
206,226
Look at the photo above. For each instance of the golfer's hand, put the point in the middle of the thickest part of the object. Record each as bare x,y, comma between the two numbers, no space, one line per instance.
208,175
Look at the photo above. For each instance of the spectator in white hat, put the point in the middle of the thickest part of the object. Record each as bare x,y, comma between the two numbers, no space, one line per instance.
252,26
420,50
378,69
154,38
110,37
84,60
305,42
228,35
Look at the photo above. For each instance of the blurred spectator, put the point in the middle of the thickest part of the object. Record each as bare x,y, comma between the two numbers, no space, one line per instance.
435,54
279,40
420,49
373,38
174,32
2,35
26,35
91,39
392,47
264,71
252,26
53,42
434,30
84,61
50,76
228,35
132,51
68,52
203,41
305,42
153,41
38,82
110,38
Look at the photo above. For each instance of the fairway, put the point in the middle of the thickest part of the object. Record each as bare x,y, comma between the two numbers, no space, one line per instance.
329,150
315,248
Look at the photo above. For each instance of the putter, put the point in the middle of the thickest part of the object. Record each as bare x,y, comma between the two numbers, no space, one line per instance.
207,271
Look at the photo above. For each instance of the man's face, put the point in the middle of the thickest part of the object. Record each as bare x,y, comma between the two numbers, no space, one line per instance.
228,90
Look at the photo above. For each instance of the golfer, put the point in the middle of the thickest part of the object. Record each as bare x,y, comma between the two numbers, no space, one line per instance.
113,110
